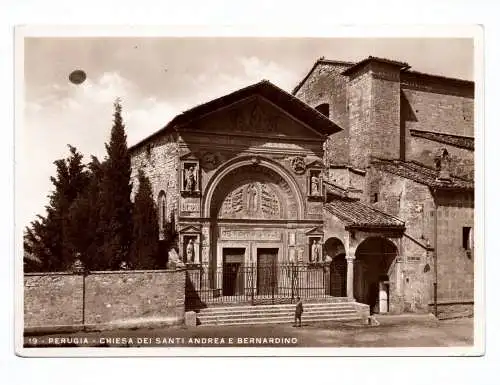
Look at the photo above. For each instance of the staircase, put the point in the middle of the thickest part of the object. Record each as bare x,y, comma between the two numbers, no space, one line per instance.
277,314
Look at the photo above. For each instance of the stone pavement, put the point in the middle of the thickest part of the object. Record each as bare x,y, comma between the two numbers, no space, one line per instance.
393,331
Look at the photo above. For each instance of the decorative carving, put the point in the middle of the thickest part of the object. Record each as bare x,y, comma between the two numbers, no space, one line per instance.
190,205
189,179
209,160
190,251
315,251
254,192
255,120
314,185
254,200
298,165
244,235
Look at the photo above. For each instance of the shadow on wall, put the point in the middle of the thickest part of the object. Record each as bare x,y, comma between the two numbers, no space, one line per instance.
406,115
193,300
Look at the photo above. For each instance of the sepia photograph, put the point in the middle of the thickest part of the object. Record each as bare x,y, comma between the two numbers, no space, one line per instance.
248,192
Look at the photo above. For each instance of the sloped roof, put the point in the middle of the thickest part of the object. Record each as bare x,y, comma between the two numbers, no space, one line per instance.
466,142
421,174
321,60
294,106
334,189
359,215
360,64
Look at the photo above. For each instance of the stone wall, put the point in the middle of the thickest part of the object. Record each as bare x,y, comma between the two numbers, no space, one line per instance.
455,265
439,110
52,299
414,204
374,114
424,150
326,84
111,297
159,159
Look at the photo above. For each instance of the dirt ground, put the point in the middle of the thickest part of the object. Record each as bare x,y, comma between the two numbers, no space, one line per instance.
393,331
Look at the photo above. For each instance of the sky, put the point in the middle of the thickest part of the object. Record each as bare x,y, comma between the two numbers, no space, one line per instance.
158,78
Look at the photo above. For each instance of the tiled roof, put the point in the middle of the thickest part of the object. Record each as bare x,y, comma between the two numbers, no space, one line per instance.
294,106
417,75
421,174
359,215
358,65
455,140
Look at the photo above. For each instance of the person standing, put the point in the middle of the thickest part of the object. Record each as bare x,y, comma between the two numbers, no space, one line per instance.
299,309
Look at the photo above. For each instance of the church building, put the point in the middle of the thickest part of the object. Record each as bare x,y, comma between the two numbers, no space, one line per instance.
358,184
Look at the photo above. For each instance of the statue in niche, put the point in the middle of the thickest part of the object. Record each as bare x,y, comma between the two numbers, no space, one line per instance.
190,179
316,251
190,251
253,197
314,185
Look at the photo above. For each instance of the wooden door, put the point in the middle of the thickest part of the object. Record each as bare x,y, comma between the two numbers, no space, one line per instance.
267,282
232,271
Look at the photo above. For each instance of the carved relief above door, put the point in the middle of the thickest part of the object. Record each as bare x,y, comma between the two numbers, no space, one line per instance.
254,192
252,200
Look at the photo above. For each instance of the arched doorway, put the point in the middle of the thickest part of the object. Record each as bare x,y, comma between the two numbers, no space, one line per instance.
334,248
248,208
372,273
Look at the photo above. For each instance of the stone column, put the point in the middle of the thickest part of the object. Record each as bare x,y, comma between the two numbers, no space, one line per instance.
350,275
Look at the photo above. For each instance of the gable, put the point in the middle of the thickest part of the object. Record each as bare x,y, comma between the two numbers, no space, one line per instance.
254,116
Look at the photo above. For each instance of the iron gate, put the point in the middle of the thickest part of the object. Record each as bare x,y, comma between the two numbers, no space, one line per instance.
264,283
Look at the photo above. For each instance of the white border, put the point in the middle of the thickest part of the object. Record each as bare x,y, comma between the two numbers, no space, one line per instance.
471,31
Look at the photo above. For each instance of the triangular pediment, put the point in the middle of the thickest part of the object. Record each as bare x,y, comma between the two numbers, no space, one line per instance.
261,109
190,230
255,116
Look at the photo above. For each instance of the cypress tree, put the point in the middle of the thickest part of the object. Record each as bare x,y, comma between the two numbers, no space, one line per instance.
145,242
84,218
47,238
115,215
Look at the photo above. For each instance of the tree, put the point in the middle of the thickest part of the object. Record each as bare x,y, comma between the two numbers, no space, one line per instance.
144,247
84,218
46,239
115,215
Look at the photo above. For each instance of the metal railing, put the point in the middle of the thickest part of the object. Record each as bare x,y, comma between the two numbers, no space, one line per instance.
255,283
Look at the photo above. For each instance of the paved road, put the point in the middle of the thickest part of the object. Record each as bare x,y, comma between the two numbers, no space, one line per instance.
396,331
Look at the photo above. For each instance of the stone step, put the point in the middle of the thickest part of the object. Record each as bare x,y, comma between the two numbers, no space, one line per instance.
274,312
277,320
288,315
250,308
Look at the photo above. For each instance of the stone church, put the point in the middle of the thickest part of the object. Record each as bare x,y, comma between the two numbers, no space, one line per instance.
358,184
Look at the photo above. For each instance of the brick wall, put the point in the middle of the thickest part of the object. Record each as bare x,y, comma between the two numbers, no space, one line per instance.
374,114
461,160
441,111
326,85
56,299
455,267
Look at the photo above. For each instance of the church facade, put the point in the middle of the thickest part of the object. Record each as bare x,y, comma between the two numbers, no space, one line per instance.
357,185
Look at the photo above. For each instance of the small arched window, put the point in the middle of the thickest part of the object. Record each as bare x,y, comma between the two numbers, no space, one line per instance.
162,209
324,109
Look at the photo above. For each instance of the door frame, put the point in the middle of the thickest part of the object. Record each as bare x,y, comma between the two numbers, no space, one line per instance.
276,269
224,274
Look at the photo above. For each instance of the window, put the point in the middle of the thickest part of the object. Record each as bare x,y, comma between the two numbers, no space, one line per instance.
374,198
162,209
467,238
324,109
